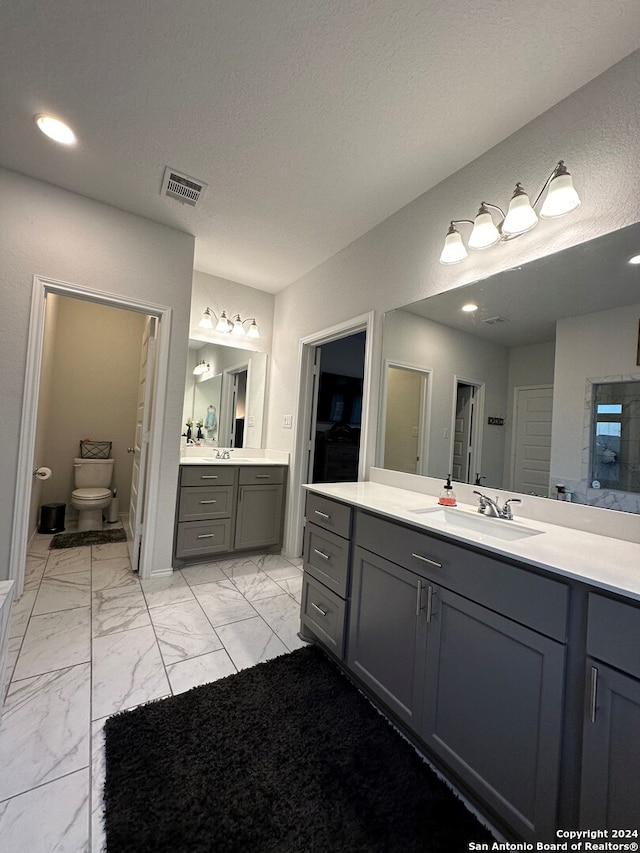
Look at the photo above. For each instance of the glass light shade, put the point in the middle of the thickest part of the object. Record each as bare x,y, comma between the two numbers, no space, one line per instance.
453,250
520,217
205,321
561,197
223,324
484,232
200,368
56,129
253,330
238,328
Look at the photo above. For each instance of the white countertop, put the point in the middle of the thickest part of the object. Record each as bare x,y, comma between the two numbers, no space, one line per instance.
602,561
205,455
233,460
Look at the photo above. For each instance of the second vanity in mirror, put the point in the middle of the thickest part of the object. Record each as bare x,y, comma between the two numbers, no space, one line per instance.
536,388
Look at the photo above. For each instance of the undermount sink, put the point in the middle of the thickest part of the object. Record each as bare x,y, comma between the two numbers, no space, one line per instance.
499,528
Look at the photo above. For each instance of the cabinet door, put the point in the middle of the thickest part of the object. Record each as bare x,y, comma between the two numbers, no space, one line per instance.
387,633
493,709
610,792
259,516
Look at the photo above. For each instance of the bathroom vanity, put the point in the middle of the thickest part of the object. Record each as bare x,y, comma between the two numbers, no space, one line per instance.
232,506
507,651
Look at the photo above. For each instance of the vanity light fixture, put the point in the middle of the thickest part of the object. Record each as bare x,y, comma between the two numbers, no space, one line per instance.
224,324
561,198
55,129
200,368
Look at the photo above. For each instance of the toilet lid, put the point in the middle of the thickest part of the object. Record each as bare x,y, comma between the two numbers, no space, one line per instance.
91,494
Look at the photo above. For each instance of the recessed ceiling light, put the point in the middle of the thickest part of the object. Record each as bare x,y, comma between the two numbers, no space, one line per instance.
56,129
635,259
470,307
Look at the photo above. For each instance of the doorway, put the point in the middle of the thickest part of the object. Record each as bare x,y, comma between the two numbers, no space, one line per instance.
24,510
304,437
406,415
336,416
465,453
531,454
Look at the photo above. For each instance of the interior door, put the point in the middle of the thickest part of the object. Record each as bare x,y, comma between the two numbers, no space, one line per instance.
532,440
313,421
463,426
141,441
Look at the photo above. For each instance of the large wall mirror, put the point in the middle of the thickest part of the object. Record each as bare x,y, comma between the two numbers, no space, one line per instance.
534,389
226,400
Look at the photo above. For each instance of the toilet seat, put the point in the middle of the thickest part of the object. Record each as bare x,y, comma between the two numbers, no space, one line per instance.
90,495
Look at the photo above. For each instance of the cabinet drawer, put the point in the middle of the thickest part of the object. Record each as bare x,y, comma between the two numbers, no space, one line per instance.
195,538
198,503
329,514
326,557
613,633
524,596
256,474
207,475
323,613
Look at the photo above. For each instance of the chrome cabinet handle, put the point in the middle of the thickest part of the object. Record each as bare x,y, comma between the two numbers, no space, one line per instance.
594,694
321,514
206,535
430,593
319,609
419,598
208,476
321,554
427,560
262,476
208,502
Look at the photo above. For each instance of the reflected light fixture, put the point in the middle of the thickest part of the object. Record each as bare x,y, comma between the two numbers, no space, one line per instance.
634,260
200,368
470,307
224,324
561,198
55,129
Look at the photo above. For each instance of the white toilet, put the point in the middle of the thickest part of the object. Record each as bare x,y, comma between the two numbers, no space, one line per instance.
92,495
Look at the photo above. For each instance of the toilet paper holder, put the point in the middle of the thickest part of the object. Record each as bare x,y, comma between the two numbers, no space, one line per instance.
42,473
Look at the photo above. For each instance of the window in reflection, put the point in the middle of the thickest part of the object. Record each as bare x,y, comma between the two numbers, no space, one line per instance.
615,458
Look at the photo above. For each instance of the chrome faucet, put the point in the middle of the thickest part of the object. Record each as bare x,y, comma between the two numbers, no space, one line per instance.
492,509
223,455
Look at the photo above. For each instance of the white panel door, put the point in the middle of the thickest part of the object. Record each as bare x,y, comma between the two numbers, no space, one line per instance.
141,441
532,440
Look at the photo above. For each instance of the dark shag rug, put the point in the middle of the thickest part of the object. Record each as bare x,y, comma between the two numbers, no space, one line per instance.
285,757
88,537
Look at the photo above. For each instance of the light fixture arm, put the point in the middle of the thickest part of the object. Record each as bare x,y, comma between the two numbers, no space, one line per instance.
559,169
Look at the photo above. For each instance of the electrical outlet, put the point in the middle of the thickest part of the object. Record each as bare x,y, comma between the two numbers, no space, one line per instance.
287,421
251,421
414,431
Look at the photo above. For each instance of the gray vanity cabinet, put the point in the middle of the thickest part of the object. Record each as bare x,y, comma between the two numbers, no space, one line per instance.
387,633
228,509
326,578
469,652
493,709
610,790
260,507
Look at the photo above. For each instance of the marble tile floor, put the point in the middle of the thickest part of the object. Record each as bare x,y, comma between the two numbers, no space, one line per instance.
89,639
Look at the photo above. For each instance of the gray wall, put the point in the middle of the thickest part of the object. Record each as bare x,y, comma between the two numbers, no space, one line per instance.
66,237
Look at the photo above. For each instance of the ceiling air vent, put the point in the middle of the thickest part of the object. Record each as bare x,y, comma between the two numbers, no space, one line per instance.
182,187
493,321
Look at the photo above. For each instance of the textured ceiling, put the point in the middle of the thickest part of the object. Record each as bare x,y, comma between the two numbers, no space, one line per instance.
311,121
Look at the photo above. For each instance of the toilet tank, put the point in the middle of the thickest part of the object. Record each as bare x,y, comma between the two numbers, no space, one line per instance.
92,473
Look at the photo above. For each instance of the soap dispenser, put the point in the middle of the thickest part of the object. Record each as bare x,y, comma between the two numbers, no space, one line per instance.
447,495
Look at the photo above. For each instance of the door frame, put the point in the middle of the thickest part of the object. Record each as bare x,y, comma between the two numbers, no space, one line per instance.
226,397
304,392
476,425
41,288
424,427
517,390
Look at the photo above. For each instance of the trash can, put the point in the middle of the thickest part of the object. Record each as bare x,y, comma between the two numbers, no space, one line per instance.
52,518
